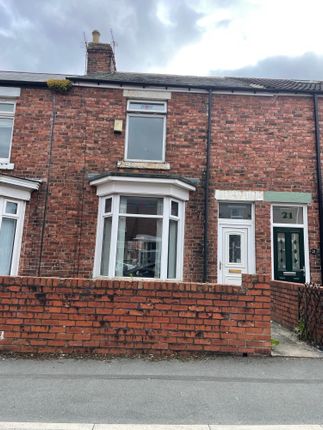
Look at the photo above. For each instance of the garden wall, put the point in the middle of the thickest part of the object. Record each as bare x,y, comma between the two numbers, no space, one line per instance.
298,306
118,317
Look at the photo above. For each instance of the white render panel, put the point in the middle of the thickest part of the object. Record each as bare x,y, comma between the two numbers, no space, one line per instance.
17,188
239,195
147,94
143,186
9,92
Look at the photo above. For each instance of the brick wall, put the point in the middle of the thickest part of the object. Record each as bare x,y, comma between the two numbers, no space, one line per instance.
284,296
53,315
272,136
285,308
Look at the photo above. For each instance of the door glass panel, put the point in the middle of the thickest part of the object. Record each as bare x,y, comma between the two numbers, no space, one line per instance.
235,210
296,264
288,215
281,251
234,248
7,240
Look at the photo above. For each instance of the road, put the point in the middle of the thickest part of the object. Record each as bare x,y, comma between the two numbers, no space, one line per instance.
221,390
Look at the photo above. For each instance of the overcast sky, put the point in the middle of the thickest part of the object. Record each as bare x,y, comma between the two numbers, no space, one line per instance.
258,38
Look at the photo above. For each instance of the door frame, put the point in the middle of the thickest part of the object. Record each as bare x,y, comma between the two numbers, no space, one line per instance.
304,226
236,223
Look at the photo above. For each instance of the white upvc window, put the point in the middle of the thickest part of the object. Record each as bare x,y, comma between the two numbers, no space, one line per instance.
11,227
140,236
7,113
145,131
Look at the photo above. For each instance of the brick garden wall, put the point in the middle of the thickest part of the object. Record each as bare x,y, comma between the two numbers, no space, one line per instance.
53,315
284,296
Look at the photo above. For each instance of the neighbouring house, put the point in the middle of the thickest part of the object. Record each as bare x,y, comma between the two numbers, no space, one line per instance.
158,176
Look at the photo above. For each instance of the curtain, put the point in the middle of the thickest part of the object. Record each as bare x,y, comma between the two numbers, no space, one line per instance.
7,240
106,246
159,231
172,249
120,245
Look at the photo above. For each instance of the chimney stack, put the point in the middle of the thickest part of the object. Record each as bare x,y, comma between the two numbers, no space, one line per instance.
100,56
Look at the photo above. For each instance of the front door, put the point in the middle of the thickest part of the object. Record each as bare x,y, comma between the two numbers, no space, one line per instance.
234,259
289,263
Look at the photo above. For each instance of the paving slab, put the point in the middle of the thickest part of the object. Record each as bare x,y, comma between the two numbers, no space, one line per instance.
290,346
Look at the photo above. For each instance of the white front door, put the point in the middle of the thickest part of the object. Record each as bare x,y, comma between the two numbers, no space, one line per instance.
233,253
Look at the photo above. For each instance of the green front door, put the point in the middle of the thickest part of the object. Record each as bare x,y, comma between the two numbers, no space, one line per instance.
289,264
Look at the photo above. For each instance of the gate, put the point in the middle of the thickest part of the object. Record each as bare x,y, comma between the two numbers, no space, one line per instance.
309,313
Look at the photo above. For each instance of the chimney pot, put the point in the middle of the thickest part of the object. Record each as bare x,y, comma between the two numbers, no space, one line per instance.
96,36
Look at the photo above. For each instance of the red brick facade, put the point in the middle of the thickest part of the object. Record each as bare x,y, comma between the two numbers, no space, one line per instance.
51,315
257,143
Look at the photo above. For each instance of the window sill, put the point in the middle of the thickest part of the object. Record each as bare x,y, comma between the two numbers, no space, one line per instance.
7,166
143,165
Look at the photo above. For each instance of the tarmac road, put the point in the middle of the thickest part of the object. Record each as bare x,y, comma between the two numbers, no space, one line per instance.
221,390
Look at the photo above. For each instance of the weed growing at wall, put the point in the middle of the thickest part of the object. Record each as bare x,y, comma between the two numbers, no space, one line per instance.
61,86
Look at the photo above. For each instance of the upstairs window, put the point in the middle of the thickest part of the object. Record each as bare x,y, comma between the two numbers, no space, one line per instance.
146,130
7,111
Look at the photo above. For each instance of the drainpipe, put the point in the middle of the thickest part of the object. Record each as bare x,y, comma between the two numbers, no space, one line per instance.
50,150
206,190
319,176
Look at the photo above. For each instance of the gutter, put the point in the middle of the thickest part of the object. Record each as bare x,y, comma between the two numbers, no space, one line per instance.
319,176
125,83
206,191
206,87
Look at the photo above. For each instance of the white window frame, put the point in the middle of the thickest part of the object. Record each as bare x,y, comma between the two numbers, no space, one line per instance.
166,216
8,115
19,217
304,226
148,114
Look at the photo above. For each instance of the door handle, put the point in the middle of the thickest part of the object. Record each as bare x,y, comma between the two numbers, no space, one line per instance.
220,265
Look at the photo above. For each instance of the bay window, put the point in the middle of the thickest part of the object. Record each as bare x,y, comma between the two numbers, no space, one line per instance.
14,193
140,236
11,221
140,228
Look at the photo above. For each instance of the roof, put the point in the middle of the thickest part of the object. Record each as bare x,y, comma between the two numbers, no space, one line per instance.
231,83
27,77
160,80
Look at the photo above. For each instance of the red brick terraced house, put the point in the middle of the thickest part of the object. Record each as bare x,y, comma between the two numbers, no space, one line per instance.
159,176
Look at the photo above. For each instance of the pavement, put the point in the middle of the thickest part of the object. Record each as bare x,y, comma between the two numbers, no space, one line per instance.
67,426
290,346
211,392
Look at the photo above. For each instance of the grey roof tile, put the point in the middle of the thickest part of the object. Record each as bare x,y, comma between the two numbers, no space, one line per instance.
28,77
154,79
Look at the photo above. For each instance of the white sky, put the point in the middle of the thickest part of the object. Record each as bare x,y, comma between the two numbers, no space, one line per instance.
255,30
